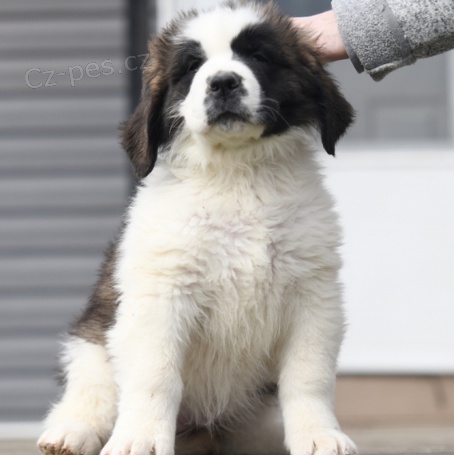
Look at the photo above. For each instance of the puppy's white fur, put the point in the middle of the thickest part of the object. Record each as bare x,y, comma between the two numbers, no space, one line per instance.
216,29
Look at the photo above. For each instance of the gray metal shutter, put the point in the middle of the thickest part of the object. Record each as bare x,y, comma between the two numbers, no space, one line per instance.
63,179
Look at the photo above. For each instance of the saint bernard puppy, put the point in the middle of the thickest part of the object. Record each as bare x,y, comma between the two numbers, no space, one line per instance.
217,319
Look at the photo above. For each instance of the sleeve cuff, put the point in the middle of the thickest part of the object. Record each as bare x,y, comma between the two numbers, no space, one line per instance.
372,36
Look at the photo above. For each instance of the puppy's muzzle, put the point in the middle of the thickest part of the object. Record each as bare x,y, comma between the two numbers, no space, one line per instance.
224,95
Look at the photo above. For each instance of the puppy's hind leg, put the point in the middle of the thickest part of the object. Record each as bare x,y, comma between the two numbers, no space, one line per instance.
83,419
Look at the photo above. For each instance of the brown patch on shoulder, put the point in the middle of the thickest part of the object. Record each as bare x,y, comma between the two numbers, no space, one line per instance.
99,314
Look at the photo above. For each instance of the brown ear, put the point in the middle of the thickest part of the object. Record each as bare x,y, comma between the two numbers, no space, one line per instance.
144,132
335,112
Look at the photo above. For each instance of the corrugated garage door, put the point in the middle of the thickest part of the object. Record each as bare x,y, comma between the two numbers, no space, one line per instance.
63,178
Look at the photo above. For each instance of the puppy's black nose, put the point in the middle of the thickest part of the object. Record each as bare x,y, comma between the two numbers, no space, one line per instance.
224,83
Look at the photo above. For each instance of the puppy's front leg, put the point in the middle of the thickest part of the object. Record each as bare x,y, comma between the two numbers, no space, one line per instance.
307,377
147,347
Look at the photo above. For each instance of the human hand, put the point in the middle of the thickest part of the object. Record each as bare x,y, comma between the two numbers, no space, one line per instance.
325,28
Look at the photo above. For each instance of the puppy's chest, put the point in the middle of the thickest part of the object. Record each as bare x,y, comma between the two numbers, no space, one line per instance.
233,250
239,301
222,249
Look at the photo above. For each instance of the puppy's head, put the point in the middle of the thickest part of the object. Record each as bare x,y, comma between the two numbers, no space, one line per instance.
238,72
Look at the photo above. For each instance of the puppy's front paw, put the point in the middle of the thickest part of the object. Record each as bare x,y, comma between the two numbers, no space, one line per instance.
70,438
138,443
322,441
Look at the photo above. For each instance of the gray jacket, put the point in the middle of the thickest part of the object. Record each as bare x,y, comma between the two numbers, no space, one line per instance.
382,35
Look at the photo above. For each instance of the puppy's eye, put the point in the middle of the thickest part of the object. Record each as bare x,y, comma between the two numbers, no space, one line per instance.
260,57
194,65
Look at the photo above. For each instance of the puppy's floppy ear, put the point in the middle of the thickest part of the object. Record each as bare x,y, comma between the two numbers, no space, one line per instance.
144,132
334,111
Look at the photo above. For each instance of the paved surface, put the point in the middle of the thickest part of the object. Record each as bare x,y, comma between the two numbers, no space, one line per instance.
407,440
371,441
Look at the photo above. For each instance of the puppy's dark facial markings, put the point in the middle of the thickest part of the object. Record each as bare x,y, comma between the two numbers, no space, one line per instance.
297,91
187,58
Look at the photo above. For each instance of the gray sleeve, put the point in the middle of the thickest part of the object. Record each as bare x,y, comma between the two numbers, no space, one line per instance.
383,35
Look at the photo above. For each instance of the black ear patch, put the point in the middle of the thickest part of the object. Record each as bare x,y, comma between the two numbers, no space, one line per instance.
135,134
335,113
146,131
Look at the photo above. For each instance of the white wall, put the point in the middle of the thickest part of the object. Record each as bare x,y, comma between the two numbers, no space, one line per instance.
397,209
450,70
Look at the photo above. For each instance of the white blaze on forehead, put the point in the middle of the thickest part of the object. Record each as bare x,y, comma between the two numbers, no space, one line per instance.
216,29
